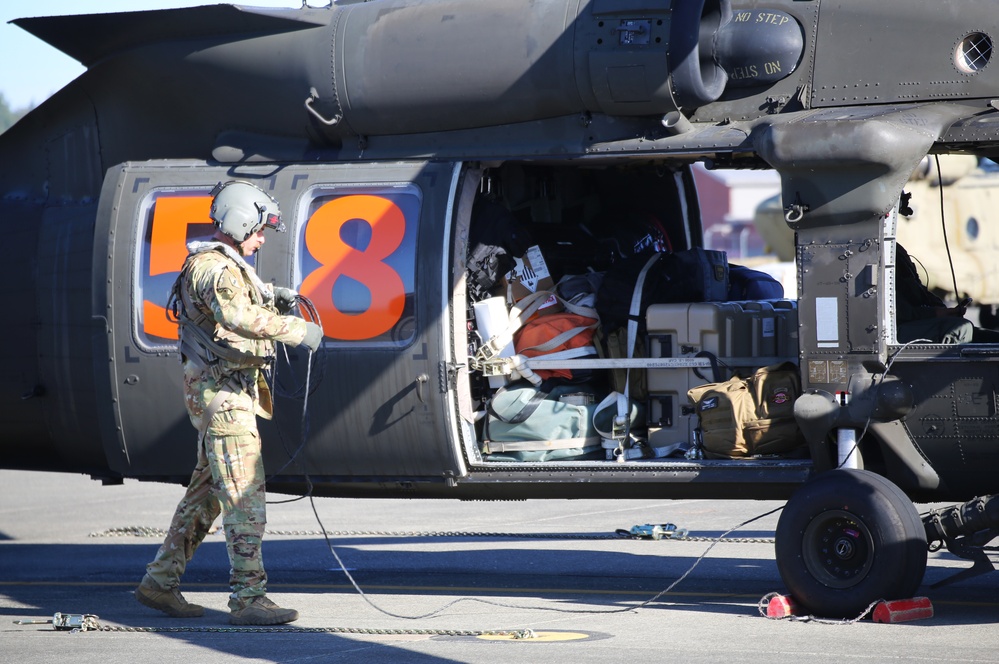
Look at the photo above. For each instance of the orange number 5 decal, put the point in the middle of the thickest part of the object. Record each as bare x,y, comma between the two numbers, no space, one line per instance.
337,258
168,249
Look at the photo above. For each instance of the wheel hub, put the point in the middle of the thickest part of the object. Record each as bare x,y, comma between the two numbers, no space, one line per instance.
838,549
844,548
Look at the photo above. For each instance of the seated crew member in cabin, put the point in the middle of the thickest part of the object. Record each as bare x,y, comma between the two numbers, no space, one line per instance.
923,315
229,321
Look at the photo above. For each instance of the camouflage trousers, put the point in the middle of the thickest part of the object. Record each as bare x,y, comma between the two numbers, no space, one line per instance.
228,478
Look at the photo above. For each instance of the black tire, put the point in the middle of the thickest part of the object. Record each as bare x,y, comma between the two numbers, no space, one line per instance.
846,539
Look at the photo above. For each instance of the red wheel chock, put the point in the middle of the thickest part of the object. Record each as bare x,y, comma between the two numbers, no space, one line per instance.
894,611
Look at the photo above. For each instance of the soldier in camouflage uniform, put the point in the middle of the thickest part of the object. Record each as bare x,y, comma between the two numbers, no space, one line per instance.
229,321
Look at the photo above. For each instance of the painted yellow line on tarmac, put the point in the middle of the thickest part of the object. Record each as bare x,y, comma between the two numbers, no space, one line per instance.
536,637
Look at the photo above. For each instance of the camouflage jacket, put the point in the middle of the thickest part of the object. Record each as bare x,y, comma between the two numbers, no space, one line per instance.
236,307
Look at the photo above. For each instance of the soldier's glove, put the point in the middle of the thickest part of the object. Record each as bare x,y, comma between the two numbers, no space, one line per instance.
313,336
285,300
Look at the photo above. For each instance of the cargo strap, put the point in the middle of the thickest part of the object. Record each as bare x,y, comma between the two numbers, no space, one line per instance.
494,447
490,446
520,313
563,338
544,389
621,422
633,312
520,362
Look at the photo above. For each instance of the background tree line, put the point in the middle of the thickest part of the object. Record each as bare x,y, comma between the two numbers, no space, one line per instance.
9,116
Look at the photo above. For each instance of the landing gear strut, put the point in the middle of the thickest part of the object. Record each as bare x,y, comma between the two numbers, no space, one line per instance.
965,530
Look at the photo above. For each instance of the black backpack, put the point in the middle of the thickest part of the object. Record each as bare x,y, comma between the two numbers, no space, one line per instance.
690,275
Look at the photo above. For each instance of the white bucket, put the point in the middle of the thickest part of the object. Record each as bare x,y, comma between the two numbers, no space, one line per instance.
492,319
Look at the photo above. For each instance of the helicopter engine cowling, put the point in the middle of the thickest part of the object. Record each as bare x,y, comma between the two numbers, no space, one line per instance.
544,59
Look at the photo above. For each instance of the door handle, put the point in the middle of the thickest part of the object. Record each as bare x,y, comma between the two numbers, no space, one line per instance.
421,380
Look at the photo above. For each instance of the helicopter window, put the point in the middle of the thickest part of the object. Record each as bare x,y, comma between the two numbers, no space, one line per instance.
971,228
973,53
356,260
169,219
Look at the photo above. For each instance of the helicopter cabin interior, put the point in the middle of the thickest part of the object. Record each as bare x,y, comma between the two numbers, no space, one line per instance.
556,377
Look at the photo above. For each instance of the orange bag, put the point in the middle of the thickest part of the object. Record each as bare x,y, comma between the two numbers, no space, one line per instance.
561,336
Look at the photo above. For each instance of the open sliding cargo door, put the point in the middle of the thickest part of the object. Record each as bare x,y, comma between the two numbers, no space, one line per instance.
367,244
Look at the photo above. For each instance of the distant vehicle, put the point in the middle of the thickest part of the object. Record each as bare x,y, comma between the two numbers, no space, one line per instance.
378,125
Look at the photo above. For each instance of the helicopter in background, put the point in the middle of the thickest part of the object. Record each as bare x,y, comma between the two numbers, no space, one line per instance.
964,247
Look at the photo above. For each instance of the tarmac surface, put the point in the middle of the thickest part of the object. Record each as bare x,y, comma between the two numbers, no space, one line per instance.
556,568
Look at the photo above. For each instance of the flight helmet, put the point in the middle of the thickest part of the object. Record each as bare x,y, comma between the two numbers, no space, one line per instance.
240,209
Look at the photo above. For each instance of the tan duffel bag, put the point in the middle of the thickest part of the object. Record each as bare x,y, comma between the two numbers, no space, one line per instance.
745,417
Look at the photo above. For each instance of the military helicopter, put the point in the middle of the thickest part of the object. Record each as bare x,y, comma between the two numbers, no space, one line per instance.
966,191
378,126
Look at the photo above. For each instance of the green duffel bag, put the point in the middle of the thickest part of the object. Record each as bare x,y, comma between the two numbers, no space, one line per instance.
525,423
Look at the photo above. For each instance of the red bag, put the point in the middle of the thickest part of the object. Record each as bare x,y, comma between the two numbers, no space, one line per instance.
560,336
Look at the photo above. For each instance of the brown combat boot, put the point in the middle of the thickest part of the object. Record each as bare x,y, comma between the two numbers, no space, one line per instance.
167,600
262,611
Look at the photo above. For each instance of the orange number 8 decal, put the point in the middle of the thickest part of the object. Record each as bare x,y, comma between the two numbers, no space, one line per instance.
337,258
